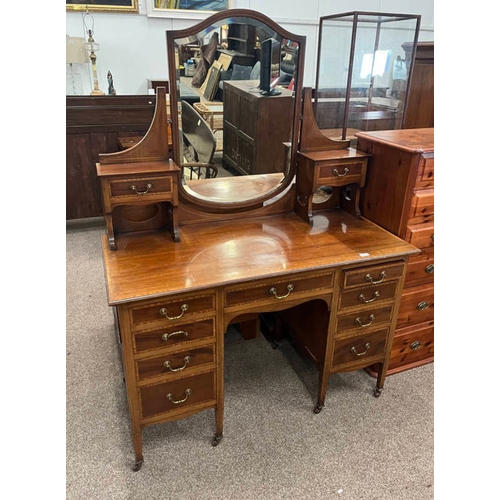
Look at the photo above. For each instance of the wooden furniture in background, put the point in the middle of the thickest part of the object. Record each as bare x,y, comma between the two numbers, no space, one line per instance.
93,126
399,196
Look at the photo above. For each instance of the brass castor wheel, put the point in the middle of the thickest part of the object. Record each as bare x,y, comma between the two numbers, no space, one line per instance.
318,408
137,465
377,392
216,440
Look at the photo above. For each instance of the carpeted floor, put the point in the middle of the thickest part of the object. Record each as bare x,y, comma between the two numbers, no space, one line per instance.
274,446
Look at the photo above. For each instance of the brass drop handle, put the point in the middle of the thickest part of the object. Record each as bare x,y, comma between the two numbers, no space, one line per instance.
167,365
170,397
415,345
422,306
430,269
163,312
136,191
273,291
364,325
365,300
382,277
367,346
336,172
166,336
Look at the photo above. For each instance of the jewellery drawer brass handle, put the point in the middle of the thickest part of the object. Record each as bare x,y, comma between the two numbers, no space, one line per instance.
367,346
382,276
422,306
363,325
170,397
273,291
336,172
365,300
415,345
430,269
163,312
136,191
166,336
167,364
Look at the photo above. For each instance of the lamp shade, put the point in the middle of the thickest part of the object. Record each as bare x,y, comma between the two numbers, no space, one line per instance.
76,52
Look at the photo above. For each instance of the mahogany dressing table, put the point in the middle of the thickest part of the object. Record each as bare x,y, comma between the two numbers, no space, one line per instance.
236,257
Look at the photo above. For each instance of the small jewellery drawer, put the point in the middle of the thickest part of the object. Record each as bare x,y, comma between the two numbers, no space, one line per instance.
420,268
372,275
171,309
340,174
358,348
417,305
365,320
174,335
278,289
425,172
416,344
178,394
370,294
137,187
175,362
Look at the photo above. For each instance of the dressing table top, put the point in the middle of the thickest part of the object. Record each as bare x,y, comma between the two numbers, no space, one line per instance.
228,252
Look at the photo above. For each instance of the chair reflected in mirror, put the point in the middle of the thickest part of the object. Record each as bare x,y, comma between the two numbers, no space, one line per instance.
198,143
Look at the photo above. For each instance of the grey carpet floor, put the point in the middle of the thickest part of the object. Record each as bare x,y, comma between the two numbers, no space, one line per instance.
274,446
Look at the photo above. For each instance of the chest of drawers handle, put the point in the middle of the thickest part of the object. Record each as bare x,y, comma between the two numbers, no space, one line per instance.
335,172
358,320
382,277
134,189
166,336
163,312
430,269
362,297
170,397
422,306
167,365
367,347
415,345
273,291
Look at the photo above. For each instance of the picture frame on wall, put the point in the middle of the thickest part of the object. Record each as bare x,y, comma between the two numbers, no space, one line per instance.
103,5
181,8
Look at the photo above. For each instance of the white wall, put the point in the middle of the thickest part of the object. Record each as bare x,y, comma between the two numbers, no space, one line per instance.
133,46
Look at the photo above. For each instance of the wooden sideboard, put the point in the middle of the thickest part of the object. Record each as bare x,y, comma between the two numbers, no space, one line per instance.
399,196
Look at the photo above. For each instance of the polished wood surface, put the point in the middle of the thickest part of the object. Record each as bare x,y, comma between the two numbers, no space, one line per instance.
222,253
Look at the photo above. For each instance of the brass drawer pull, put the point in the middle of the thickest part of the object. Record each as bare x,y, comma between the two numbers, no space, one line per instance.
167,364
336,172
363,325
367,346
382,277
134,189
422,306
273,291
365,300
170,397
166,336
430,269
415,345
163,312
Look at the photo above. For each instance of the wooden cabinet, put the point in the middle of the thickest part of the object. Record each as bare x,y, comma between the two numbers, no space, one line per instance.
249,147
399,196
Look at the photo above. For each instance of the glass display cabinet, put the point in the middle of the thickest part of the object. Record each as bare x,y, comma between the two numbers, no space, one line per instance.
364,68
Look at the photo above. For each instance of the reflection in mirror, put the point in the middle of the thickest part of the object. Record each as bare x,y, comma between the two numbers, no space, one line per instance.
236,93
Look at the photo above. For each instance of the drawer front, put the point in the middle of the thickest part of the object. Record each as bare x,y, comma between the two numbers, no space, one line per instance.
177,362
177,395
169,310
425,172
422,207
340,174
417,306
174,336
414,346
420,268
272,290
366,320
141,187
420,235
368,295
372,275
359,349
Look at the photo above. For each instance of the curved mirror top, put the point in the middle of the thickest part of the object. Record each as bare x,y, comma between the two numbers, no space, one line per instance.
235,88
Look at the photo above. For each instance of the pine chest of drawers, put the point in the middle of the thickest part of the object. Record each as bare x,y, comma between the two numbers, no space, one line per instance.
399,196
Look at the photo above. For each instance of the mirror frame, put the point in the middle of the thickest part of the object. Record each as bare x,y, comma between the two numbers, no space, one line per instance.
203,204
